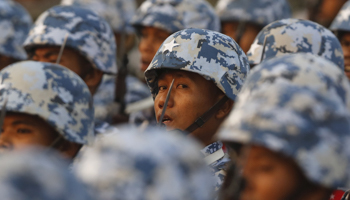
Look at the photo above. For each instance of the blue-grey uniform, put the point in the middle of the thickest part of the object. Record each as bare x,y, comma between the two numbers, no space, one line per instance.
297,105
257,12
38,174
118,14
53,93
146,165
15,23
295,35
215,56
88,34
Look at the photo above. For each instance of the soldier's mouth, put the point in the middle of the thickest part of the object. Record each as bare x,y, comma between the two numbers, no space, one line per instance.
166,120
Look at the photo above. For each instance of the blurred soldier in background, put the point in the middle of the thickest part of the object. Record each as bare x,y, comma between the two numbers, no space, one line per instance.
158,166
36,174
15,23
291,127
110,101
243,19
324,11
90,48
47,105
341,27
207,69
292,36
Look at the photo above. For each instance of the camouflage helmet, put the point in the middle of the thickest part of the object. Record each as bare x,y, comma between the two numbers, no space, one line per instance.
117,13
38,174
259,12
297,105
113,170
342,20
52,92
89,34
175,15
292,36
213,55
15,23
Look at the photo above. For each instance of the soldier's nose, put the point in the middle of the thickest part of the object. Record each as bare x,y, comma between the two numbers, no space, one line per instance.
5,145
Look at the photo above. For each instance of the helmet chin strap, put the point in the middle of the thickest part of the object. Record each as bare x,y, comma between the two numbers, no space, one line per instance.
200,121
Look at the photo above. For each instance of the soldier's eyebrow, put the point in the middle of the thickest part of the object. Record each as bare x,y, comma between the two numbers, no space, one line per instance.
51,53
19,122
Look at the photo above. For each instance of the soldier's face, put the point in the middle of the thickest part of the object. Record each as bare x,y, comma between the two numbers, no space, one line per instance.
190,97
69,59
328,10
150,41
247,36
22,130
268,175
345,44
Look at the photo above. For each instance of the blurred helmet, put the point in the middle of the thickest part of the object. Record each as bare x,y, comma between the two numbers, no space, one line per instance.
33,174
117,13
147,165
88,34
259,12
52,92
293,36
175,15
15,23
297,105
342,20
213,55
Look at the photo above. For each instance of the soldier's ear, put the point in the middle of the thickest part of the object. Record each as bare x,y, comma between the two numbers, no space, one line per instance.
225,110
93,80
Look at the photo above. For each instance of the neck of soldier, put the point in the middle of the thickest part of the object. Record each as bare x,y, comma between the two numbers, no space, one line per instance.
206,134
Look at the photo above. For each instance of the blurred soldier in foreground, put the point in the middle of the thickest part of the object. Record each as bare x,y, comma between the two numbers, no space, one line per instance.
207,69
158,166
291,128
341,27
292,36
243,19
15,23
35,174
89,50
46,105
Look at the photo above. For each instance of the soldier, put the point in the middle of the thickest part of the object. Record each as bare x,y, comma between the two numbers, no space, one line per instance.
15,23
292,121
243,19
155,20
109,100
208,69
294,35
341,27
37,174
89,51
158,166
47,105
324,11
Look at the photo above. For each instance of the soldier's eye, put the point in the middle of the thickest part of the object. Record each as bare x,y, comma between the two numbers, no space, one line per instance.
182,86
161,88
23,131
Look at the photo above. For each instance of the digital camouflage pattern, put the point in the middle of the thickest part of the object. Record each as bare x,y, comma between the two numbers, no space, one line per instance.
130,164
219,166
213,55
117,13
297,105
37,174
52,92
342,20
259,12
294,35
15,23
175,15
89,34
